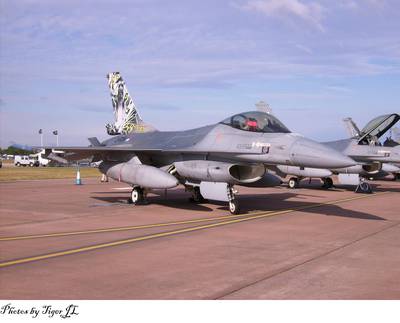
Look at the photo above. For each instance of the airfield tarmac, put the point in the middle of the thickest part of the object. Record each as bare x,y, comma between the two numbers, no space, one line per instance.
63,241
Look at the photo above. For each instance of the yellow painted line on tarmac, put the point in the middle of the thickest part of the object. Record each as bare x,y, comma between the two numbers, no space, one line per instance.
128,228
174,232
165,224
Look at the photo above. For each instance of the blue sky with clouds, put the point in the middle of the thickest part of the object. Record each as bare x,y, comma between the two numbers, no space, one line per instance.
190,63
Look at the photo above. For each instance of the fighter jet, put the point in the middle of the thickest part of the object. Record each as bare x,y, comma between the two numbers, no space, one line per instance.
208,161
392,140
363,147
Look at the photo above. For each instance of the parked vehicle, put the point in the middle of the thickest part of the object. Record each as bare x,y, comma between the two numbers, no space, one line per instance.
21,160
39,157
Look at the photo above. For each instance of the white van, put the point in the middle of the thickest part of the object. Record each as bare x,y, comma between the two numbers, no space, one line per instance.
21,160
39,157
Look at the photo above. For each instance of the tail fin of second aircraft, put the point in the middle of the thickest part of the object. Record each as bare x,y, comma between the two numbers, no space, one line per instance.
127,118
351,128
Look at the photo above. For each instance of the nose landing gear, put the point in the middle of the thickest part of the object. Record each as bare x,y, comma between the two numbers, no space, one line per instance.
233,203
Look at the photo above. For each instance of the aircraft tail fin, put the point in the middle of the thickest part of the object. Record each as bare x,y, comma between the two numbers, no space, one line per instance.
94,142
127,118
352,128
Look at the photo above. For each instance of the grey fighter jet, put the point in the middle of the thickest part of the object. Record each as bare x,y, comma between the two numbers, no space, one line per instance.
363,147
208,160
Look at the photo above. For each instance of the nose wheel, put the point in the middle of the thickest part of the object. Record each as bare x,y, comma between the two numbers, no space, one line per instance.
234,207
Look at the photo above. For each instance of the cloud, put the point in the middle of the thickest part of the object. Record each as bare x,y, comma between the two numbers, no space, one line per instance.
338,88
159,107
96,109
303,48
311,13
194,58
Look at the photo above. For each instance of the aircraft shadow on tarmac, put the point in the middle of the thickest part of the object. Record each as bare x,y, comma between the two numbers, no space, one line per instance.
281,202
376,186
170,201
382,188
248,203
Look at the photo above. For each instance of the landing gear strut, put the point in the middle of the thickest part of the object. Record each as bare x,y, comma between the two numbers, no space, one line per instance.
293,182
327,182
138,196
233,203
196,196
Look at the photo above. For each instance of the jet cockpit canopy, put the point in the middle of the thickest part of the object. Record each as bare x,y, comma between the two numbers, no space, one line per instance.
377,127
256,121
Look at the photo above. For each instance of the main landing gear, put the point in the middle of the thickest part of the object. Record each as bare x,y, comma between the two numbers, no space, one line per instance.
293,182
217,192
138,196
196,196
327,182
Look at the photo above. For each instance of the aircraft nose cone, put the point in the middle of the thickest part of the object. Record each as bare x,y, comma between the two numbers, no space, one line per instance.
308,153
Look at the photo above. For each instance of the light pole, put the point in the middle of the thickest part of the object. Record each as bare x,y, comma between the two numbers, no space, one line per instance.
55,132
41,137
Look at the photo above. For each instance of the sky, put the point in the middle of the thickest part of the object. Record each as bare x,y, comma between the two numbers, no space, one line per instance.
191,63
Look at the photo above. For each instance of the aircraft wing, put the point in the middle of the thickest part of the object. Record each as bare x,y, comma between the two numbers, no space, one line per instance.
78,153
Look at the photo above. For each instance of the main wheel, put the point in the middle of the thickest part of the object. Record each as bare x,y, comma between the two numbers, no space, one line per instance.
293,182
30,164
197,197
234,207
137,196
327,182
18,164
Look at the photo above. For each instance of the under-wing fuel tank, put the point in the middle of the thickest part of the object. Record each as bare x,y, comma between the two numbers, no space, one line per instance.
138,174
